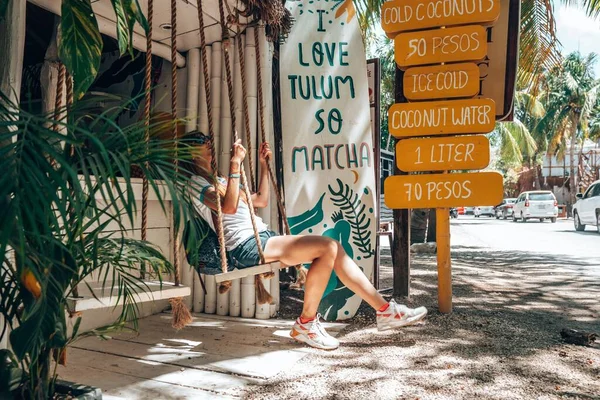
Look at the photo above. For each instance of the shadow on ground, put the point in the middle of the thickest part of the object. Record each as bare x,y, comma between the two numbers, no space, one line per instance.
501,341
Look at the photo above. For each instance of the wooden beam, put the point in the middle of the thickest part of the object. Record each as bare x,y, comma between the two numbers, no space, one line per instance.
401,247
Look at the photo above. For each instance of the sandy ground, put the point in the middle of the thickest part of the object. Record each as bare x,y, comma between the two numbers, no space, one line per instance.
501,342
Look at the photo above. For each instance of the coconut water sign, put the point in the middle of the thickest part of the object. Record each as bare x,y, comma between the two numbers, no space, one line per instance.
327,141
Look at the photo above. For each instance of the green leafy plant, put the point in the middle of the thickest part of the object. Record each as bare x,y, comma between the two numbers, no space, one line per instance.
58,194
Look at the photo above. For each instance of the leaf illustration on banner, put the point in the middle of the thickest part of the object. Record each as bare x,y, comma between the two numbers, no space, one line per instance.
341,232
336,300
347,5
354,211
307,219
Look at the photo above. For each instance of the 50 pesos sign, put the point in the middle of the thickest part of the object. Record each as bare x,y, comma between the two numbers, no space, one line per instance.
443,190
464,43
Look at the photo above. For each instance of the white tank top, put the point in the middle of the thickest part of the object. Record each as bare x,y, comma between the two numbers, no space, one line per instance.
236,227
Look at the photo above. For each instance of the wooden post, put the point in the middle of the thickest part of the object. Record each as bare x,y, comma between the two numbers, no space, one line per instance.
12,44
401,247
432,226
444,261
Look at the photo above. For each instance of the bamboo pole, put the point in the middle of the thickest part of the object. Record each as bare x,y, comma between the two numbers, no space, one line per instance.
210,300
266,59
235,298
198,305
263,311
274,307
202,109
188,275
193,89
248,296
237,88
215,84
49,74
222,301
251,95
226,128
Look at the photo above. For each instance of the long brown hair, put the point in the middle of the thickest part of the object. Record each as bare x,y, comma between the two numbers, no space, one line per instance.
198,139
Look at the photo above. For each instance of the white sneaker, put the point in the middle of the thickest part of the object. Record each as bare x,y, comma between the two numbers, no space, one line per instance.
313,334
398,315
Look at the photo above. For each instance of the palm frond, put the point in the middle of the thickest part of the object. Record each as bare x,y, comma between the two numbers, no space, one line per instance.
538,50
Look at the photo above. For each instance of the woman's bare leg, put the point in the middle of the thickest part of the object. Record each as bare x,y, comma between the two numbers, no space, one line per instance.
325,254
354,279
292,250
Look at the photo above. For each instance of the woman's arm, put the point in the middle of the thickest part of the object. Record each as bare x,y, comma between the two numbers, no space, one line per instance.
260,199
230,201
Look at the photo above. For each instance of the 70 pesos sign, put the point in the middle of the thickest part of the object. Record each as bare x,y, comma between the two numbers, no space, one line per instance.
443,190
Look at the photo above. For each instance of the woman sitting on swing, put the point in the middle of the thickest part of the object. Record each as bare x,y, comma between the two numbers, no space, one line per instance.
324,254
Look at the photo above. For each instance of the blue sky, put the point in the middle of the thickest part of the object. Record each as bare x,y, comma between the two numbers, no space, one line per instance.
577,32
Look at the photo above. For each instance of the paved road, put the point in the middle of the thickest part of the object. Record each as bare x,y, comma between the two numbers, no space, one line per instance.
558,243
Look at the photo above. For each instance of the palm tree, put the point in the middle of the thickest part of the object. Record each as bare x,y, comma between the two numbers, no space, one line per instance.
571,105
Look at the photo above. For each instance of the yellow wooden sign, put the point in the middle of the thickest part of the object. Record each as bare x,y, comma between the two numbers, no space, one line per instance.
441,117
410,15
440,154
464,43
441,81
443,190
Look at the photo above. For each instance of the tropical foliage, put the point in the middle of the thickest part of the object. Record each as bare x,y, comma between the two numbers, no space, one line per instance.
59,192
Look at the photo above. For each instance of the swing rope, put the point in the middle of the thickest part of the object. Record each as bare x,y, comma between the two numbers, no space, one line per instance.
174,124
181,314
147,99
62,71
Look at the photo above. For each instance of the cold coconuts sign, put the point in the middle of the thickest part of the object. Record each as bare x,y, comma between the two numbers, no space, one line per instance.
329,169
408,15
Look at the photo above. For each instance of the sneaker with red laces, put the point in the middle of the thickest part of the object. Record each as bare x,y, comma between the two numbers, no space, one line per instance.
313,334
398,315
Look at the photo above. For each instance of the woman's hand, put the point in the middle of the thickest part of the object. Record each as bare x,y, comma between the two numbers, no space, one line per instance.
265,153
238,152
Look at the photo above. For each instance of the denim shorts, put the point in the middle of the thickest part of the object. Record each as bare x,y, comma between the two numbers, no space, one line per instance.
246,253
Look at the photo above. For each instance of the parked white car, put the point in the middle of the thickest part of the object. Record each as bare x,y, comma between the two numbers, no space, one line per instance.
587,209
484,210
537,205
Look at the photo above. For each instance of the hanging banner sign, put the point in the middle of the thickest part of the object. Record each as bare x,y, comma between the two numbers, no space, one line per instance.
464,43
443,190
441,81
441,154
409,15
441,117
326,137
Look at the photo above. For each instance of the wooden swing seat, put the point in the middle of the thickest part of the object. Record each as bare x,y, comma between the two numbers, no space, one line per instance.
250,271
